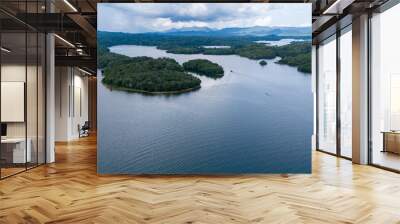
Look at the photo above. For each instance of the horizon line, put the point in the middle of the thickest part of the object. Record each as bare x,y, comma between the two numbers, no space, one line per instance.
205,27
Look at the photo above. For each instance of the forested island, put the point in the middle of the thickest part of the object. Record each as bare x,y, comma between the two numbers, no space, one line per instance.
263,63
297,54
204,67
154,75
145,74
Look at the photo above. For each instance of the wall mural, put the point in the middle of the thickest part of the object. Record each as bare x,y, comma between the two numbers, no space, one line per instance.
195,88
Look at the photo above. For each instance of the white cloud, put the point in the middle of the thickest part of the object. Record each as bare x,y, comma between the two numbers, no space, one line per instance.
152,17
193,10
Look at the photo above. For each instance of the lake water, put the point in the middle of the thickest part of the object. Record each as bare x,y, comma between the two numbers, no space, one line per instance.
277,42
253,120
221,46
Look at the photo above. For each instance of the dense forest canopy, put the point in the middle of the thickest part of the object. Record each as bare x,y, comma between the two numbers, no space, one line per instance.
297,54
299,60
204,67
163,41
105,57
145,74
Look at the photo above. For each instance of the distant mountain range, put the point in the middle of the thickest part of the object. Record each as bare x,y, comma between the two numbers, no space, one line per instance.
248,31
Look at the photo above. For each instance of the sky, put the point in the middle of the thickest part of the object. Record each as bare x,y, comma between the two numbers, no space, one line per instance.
158,17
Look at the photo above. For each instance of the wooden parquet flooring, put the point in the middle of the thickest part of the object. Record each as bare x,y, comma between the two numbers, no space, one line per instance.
70,191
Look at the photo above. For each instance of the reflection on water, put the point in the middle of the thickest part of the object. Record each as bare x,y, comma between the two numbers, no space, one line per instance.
255,119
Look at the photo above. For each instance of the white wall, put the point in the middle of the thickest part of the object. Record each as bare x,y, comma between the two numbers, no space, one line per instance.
17,72
80,104
12,73
33,126
71,102
62,82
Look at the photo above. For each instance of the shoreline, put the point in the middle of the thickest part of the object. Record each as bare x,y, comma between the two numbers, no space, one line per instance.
151,93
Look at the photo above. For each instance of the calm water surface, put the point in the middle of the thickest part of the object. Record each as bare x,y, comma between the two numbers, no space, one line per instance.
253,120
277,42
221,46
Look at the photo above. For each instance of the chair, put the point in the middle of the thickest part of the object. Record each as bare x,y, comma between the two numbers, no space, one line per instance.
84,130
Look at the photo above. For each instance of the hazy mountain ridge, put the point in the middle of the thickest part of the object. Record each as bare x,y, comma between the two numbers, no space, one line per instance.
248,31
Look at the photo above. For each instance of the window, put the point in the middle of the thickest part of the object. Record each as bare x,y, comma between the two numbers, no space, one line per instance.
385,89
327,95
346,92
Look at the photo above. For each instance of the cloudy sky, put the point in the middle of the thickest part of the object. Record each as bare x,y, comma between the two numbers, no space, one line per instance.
154,17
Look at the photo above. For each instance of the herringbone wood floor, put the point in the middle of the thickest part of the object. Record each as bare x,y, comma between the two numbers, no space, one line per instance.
69,191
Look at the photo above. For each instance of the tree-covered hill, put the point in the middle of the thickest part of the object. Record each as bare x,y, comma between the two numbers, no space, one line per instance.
296,54
145,74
